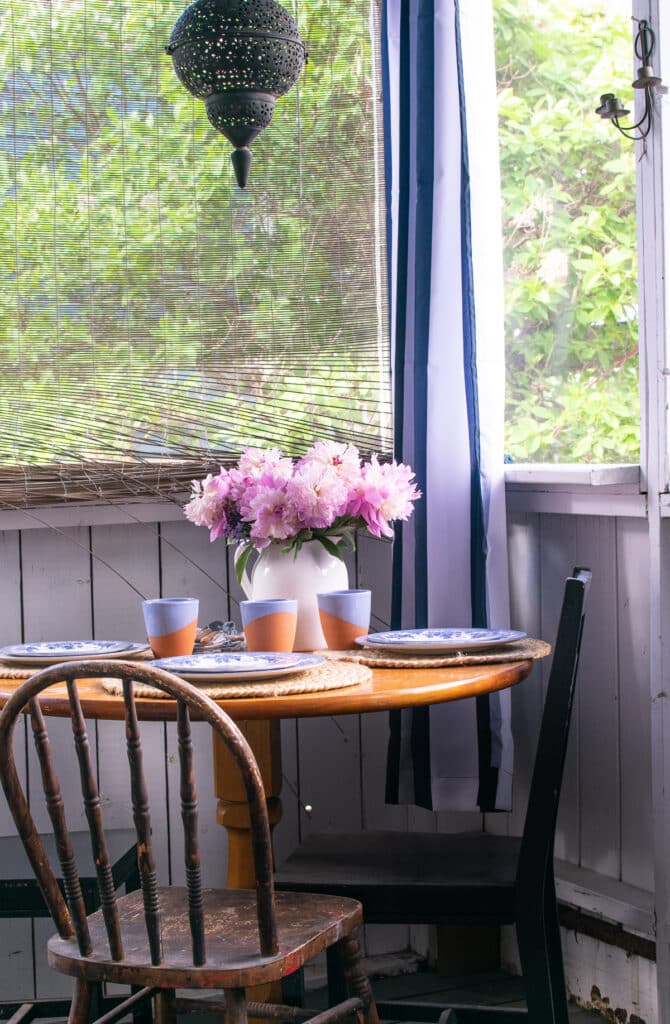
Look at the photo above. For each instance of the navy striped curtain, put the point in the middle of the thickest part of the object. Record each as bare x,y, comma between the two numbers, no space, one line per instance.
450,559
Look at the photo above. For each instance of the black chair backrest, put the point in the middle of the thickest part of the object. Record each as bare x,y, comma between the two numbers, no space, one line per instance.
537,846
70,918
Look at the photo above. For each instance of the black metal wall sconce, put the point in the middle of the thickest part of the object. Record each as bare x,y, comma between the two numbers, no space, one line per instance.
238,56
612,109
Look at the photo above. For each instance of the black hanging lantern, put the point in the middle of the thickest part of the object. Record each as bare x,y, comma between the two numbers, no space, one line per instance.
238,56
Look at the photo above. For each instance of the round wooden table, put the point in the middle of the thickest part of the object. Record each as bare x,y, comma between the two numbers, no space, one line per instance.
259,718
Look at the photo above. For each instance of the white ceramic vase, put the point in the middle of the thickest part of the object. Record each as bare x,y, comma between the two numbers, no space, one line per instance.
313,570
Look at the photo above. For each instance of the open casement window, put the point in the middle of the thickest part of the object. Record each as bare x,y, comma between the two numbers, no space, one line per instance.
569,221
155,319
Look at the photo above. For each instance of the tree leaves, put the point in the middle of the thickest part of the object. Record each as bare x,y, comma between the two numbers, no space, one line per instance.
568,182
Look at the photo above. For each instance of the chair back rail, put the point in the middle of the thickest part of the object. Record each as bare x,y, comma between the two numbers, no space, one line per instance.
537,844
72,922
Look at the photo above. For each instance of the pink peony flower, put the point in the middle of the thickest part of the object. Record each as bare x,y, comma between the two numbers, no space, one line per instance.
254,469
318,494
272,515
343,458
384,492
267,497
254,462
207,499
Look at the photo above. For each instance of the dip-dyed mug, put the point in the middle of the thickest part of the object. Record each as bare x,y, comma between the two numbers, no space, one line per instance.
269,625
345,615
171,624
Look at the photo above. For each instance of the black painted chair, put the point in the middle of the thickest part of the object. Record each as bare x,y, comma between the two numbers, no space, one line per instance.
474,878
168,938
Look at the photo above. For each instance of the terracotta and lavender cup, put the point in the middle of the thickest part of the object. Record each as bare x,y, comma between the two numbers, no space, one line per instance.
269,625
345,615
171,624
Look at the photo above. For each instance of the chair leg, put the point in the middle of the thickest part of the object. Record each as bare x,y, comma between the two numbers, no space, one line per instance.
142,1013
534,956
236,1006
164,1007
358,983
337,983
555,955
80,1008
293,988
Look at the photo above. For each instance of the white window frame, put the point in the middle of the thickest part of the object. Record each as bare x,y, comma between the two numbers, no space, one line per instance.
653,189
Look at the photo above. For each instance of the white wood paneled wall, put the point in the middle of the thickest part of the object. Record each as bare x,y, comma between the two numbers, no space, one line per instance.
63,585
605,819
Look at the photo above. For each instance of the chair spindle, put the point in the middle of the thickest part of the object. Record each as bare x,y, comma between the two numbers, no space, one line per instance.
56,809
189,814
93,808
142,818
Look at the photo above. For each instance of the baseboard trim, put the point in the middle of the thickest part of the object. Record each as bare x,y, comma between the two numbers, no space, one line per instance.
579,921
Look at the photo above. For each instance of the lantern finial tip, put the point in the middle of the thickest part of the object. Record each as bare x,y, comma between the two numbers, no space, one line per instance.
241,159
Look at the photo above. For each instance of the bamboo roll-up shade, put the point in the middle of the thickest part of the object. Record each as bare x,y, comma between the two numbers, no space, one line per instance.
154,319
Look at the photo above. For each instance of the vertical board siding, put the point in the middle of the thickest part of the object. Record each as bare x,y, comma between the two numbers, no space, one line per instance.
11,631
191,566
525,613
57,585
634,704
330,773
605,818
286,835
16,937
598,709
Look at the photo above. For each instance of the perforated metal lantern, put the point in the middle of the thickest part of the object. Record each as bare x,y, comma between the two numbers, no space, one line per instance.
238,56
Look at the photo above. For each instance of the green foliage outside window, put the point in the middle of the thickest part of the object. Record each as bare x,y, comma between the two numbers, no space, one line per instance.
568,183
148,308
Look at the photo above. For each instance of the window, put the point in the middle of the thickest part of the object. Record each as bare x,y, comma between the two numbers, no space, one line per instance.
568,183
155,319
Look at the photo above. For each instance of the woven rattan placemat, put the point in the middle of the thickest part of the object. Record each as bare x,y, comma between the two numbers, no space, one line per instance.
517,651
332,675
10,670
342,668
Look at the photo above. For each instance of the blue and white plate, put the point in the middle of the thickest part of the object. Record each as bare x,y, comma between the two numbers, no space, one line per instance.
231,666
439,639
50,652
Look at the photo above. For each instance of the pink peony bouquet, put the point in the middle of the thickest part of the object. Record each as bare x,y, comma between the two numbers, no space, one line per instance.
326,495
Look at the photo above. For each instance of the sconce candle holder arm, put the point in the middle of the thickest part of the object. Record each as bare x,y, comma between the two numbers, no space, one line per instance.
611,108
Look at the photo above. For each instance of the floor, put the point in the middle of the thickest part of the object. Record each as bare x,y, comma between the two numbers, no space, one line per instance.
492,989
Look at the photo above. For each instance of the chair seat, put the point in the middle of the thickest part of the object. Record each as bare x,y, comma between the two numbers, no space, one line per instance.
410,877
306,925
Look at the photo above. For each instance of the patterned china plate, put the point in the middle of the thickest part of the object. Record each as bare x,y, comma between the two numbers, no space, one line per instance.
231,665
51,652
439,639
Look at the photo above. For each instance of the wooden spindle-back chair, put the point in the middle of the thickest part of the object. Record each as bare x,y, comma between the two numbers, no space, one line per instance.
161,939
